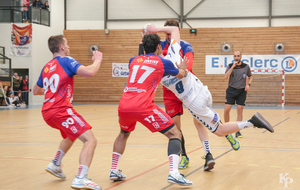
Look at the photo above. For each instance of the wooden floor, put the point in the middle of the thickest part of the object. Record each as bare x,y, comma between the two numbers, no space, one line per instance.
28,145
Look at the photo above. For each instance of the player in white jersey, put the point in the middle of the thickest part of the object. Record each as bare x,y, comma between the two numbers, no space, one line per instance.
197,98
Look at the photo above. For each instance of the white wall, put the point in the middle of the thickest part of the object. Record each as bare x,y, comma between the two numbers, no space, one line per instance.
40,52
82,15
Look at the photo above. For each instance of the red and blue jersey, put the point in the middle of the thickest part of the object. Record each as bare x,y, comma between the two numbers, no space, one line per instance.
145,73
57,80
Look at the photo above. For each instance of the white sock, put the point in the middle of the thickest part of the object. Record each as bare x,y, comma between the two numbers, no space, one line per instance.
244,124
206,146
115,160
173,163
58,157
82,171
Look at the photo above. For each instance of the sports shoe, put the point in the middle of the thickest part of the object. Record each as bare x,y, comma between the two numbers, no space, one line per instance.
116,175
184,163
235,144
260,122
179,179
55,170
238,134
209,162
84,183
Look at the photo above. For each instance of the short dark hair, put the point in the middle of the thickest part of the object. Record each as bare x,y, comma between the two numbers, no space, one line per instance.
54,42
150,42
170,22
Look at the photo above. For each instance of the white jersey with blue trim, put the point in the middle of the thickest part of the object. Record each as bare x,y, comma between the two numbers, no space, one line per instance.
187,88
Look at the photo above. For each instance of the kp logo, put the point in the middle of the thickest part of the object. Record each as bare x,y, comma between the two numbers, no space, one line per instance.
289,64
285,180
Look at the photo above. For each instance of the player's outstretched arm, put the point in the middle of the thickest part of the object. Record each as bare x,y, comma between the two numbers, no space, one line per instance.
173,30
91,70
38,90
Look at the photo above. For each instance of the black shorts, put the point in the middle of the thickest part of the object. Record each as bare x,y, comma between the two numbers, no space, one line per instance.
237,96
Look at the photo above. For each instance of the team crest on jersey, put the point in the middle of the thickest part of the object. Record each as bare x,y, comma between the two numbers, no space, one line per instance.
140,60
155,125
46,70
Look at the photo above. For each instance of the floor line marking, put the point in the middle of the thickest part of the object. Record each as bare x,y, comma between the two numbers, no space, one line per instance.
278,124
199,168
111,187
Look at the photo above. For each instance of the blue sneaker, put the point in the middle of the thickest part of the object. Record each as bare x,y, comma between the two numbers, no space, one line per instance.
235,144
179,179
116,175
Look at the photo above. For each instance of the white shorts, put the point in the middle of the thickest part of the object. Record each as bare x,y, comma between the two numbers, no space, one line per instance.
201,109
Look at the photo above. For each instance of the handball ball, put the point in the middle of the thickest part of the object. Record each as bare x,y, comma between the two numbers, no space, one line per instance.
145,28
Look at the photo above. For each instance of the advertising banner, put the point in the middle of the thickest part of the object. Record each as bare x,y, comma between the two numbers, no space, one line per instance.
21,40
217,64
120,70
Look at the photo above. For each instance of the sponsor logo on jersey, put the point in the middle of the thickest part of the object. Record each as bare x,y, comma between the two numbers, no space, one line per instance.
215,119
69,91
46,70
53,68
74,63
153,62
134,89
171,81
50,100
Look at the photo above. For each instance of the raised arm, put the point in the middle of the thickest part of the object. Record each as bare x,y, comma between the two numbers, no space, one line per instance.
229,71
173,30
91,70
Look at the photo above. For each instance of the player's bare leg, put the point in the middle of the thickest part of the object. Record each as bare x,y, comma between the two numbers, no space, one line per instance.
54,167
85,159
174,149
227,112
203,135
119,148
239,109
257,120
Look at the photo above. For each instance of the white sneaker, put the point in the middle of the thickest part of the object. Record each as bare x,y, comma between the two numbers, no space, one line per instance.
179,179
55,170
116,175
84,183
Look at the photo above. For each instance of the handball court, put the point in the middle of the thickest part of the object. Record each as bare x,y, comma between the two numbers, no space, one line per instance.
265,160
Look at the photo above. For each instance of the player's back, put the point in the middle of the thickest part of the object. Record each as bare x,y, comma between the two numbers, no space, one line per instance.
145,73
57,80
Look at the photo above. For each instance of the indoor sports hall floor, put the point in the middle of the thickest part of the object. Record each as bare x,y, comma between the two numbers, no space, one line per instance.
265,160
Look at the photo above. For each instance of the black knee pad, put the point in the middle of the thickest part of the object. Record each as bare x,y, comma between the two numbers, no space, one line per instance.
174,146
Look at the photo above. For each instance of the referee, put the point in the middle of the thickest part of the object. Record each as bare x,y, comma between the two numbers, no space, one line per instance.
238,87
